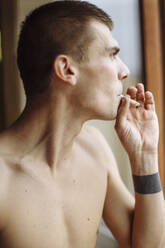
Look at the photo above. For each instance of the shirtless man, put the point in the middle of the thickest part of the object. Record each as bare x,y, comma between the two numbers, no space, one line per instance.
58,178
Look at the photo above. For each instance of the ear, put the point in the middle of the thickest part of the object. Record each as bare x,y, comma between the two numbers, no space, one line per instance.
64,69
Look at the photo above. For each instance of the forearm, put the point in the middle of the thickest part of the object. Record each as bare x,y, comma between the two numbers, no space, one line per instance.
149,221
138,130
149,216
144,163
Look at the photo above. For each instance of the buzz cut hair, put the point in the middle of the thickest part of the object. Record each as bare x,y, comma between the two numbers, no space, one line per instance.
60,27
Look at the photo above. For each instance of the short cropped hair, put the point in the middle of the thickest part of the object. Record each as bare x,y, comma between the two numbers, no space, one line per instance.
59,27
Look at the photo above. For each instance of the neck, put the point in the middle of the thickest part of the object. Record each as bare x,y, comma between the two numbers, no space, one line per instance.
48,127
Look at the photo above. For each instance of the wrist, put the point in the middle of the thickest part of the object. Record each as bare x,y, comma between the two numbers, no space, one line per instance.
148,184
144,163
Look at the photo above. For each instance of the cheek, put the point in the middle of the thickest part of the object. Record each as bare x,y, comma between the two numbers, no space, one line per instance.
105,71
99,71
98,79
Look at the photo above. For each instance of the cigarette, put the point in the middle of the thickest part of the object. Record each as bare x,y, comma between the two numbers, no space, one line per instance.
135,103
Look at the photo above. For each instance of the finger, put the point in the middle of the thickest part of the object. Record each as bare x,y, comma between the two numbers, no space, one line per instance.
140,96
123,110
132,91
149,101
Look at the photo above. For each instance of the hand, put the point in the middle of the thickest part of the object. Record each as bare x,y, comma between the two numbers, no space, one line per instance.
137,128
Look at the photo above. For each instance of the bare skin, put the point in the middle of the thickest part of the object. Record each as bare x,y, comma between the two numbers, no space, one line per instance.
54,207
59,178
41,208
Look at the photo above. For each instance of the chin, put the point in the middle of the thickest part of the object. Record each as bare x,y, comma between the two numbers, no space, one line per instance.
102,112
109,118
110,113
106,116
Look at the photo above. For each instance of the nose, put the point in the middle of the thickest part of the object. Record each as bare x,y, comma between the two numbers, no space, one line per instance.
123,71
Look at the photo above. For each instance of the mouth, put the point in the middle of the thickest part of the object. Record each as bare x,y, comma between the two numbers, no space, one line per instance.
120,96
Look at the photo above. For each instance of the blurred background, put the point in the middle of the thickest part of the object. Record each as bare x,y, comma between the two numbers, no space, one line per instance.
138,29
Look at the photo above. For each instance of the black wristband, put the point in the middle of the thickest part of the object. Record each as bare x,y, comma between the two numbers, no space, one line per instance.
148,184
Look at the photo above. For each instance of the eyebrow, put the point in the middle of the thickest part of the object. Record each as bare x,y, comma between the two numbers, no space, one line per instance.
114,49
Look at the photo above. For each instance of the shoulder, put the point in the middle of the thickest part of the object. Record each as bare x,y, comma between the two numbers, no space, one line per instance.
93,134
5,160
5,143
4,172
93,137
96,143
4,183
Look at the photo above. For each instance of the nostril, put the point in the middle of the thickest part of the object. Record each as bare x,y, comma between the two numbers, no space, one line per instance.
125,76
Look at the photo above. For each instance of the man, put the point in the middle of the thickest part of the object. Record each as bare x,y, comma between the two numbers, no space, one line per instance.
59,177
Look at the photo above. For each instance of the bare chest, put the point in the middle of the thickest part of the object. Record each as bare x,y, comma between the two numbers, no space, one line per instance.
64,212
